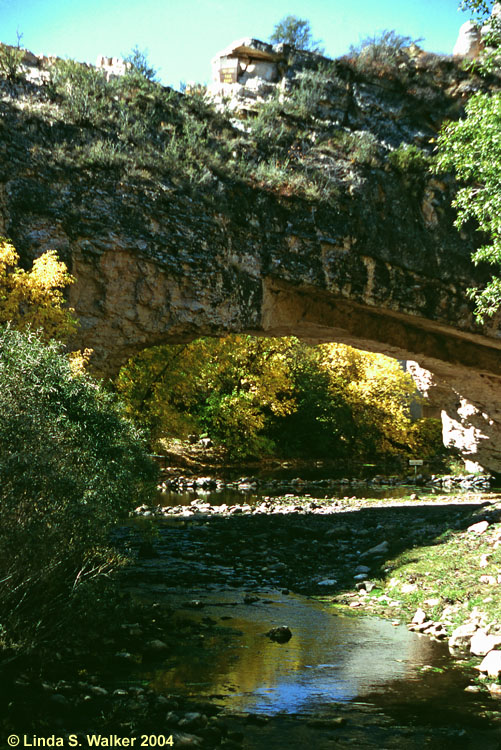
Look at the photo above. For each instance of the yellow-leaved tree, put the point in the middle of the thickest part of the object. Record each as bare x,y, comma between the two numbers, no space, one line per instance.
379,393
231,387
34,299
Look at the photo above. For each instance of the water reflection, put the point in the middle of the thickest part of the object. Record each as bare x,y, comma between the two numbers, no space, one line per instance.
330,659
230,496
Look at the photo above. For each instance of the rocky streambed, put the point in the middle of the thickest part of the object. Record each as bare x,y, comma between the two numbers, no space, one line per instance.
195,661
310,545
318,487
226,566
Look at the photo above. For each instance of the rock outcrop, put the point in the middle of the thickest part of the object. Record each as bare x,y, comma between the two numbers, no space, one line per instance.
368,257
469,41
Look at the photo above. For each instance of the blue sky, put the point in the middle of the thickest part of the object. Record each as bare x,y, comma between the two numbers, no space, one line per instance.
181,36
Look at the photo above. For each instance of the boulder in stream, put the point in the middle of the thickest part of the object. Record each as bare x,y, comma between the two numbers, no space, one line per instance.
491,664
461,637
481,642
280,634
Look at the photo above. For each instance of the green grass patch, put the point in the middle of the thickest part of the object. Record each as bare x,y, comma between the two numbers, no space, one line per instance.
450,577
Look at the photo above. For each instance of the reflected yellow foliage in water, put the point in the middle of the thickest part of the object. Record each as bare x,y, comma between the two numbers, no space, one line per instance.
329,657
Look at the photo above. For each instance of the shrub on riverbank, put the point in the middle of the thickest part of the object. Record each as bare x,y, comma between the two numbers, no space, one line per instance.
71,465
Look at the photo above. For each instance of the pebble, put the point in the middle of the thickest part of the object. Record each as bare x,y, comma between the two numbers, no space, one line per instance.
379,549
251,484
461,637
125,656
419,618
481,642
193,720
184,740
96,690
250,599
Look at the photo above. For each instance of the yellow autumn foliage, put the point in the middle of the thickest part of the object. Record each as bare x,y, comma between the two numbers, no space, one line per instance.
79,361
258,396
34,299
378,391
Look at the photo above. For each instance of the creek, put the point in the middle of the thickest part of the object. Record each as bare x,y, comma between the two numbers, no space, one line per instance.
342,680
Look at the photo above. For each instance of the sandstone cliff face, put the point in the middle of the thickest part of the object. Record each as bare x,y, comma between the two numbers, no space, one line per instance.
343,241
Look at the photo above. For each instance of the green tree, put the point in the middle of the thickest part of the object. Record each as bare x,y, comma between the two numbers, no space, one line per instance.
296,32
321,423
82,90
11,60
160,387
71,466
228,387
138,65
472,148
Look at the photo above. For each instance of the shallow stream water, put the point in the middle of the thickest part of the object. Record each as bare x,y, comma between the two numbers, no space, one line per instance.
342,680
362,679
230,496
332,657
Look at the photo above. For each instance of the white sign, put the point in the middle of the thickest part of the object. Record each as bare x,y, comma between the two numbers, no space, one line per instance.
416,462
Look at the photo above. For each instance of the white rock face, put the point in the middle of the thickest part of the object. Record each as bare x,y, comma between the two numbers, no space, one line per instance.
468,43
465,406
495,13
267,71
244,59
464,431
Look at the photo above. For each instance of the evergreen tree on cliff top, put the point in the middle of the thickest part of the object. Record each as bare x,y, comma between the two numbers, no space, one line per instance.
296,32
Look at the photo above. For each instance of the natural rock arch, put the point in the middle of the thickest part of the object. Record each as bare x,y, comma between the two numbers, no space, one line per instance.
376,262
298,278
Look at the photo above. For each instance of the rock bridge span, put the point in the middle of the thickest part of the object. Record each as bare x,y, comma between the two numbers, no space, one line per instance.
280,266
